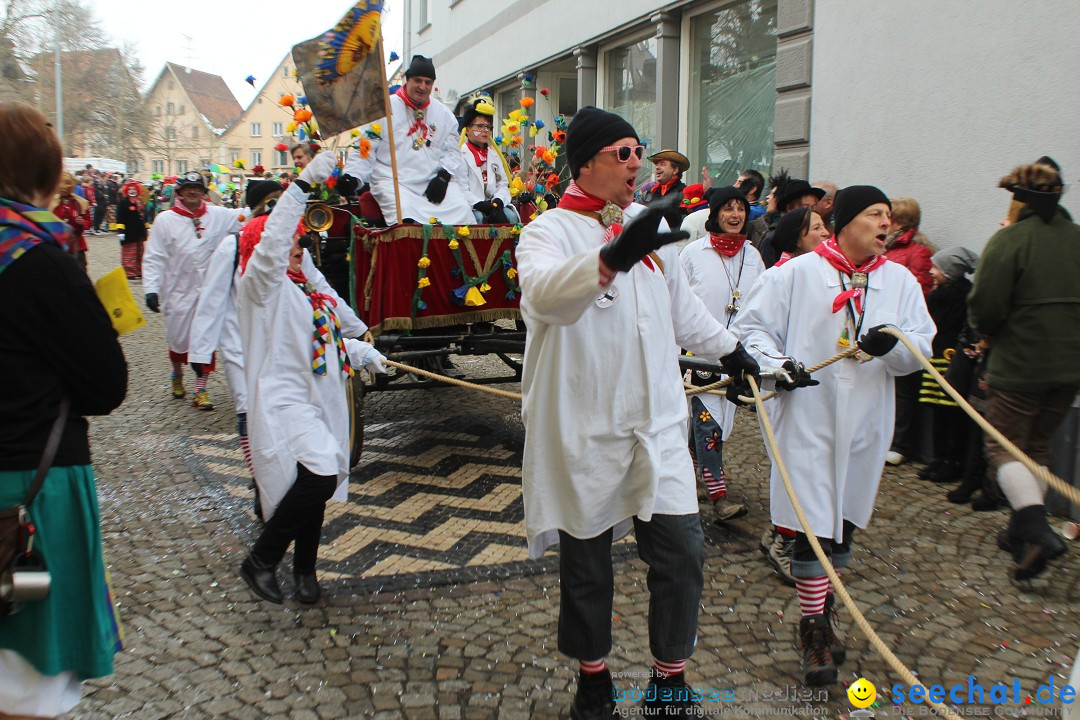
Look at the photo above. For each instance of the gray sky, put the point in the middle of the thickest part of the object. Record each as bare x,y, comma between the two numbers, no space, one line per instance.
230,39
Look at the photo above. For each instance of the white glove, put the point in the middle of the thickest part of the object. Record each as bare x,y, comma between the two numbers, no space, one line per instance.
320,168
363,355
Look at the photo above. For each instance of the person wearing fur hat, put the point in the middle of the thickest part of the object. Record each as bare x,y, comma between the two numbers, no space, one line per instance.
721,268
696,206
489,186
182,240
1024,296
131,214
667,192
297,411
432,180
605,439
834,436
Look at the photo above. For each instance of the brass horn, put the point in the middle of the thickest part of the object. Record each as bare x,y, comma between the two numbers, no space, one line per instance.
318,217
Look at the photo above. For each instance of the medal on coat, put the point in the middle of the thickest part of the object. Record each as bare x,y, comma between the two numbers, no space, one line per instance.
611,214
608,298
859,280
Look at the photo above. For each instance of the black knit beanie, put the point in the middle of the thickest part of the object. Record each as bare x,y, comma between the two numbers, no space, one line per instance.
589,131
421,66
853,200
257,191
718,199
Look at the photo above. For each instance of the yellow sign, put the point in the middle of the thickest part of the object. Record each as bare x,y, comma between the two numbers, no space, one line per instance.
115,294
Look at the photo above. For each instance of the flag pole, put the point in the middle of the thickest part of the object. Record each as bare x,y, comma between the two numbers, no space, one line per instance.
390,127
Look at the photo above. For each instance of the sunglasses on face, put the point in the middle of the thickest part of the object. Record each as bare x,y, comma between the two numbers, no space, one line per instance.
623,152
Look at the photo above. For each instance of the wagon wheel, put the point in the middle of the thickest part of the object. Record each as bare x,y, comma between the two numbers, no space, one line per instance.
355,392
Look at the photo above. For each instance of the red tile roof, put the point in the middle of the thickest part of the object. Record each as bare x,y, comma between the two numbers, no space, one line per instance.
210,95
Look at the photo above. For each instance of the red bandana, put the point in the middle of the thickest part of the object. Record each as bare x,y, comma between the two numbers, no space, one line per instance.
784,257
727,244
479,153
830,250
577,199
662,189
418,113
178,207
318,300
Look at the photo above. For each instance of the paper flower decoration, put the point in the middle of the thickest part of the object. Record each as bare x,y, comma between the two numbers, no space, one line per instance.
423,283
287,100
374,131
463,232
302,116
281,147
511,273
365,148
545,92
552,181
517,186
548,157
354,133
433,221
239,164
291,127
423,262
302,99
258,169
539,124
250,80
394,56
453,245
527,102
559,136
518,115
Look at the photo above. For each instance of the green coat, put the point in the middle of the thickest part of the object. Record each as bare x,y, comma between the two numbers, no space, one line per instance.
1026,298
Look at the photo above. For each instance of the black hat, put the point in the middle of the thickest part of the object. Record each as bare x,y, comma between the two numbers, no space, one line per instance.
589,131
795,189
853,200
192,178
718,199
421,66
786,235
480,106
258,190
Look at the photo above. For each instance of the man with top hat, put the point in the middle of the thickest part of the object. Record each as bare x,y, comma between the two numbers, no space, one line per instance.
181,242
606,304
834,437
669,168
432,178
489,184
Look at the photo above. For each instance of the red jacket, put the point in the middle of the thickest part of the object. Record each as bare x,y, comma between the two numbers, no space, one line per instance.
78,219
914,257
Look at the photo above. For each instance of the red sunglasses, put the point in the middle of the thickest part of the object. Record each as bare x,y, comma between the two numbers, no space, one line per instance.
622,152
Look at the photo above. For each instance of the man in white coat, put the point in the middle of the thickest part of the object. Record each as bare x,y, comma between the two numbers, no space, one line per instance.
432,177
297,411
605,416
489,187
834,437
177,255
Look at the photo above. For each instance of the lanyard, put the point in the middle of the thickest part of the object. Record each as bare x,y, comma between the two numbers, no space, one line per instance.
856,326
736,293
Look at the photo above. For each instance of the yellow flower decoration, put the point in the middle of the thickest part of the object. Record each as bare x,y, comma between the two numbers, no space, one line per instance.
704,416
433,221
354,132
376,128
532,131
511,273
291,127
484,288
454,245
518,115
423,262
517,186
463,232
423,283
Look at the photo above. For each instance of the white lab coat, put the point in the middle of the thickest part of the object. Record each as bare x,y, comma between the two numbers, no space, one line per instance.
496,186
176,261
215,325
294,415
712,277
694,223
416,167
603,404
833,437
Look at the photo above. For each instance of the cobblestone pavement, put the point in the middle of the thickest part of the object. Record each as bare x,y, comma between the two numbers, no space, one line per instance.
431,610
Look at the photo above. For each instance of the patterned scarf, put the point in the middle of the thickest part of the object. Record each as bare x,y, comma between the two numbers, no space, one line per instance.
327,327
830,250
418,113
178,208
727,244
23,227
578,200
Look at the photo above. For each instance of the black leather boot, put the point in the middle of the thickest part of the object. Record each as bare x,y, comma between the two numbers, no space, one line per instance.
262,579
307,588
839,652
594,698
670,696
817,665
1037,544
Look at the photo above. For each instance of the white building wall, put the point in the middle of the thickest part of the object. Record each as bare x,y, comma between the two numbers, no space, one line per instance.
937,100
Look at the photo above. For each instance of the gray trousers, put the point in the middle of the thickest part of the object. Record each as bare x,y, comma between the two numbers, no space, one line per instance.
673,547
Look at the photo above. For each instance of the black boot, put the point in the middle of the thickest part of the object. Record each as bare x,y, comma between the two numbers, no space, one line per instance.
595,697
1038,543
817,665
973,480
307,588
670,696
839,652
262,579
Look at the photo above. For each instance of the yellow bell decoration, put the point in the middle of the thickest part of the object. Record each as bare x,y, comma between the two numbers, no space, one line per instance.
473,298
423,262
463,231
484,288
453,245
423,283
511,273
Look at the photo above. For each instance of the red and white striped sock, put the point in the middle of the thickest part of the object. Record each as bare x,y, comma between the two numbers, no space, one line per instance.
592,667
200,382
245,445
667,669
177,368
716,487
812,592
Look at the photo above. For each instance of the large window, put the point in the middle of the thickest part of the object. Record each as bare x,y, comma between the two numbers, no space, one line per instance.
256,157
733,89
630,89
159,166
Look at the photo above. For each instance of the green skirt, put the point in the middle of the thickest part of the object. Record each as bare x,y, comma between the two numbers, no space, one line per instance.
75,628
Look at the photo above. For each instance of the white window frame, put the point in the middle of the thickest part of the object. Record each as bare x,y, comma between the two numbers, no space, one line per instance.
256,129
278,129
159,166
256,157
424,14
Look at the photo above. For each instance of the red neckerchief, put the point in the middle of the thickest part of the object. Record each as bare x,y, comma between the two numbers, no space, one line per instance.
479,153
318,300
178,207
784,257
665,187
830,250
580,201
727,244
418,113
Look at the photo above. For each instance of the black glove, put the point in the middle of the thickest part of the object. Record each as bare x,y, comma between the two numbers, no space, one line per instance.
436,189
152,302
525,197
799,377
736,388
738,363
637,240
482,207
347,185
876,342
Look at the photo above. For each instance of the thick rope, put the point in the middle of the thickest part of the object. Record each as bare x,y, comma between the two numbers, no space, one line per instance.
453,381
714,388
1040,472
838,586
